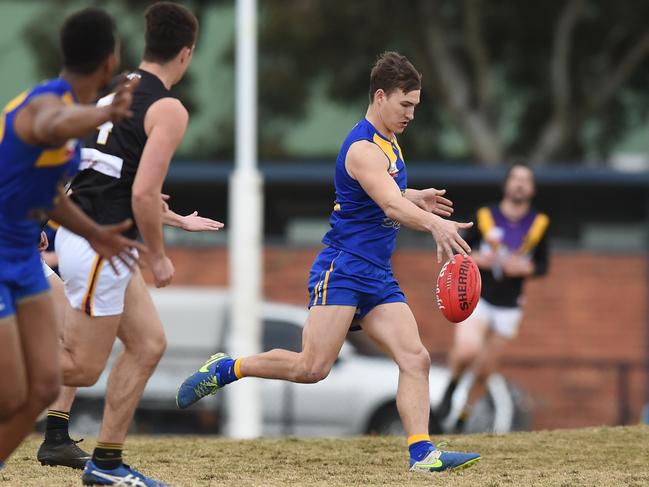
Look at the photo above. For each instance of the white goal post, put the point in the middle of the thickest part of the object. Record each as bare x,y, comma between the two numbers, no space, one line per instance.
246,230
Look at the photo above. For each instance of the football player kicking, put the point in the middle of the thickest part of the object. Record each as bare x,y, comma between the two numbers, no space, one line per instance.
352,276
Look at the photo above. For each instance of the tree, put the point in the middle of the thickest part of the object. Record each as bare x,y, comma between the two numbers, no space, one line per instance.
544,80
128,15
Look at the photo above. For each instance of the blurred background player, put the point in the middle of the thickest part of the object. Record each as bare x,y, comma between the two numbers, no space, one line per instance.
123,167
352,276
38,154
512,245
58,449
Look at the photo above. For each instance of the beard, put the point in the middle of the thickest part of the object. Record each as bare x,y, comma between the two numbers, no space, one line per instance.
519,198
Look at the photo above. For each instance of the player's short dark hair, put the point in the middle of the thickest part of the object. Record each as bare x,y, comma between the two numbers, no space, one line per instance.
392,71
87,38
169,28
513,166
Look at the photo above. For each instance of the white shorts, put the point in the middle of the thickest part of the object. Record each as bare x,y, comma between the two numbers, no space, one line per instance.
501,319
47,270
91,284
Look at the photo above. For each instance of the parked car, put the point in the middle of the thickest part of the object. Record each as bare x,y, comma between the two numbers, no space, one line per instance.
358,397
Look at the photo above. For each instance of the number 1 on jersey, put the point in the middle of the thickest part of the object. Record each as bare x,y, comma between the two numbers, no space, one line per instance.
106,127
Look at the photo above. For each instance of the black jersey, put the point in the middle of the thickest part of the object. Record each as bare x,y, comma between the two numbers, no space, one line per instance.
110,158
493,232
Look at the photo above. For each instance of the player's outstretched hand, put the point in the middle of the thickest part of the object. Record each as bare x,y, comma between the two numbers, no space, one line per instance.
195,223
162,269
120,107
432,200
448,240
109,243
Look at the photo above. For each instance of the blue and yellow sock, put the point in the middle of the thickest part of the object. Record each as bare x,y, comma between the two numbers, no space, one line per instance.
228,371
419,446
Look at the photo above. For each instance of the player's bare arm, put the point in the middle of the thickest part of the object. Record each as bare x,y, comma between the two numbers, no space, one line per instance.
190,223
48,120
165,124
107,240
367,164
431,200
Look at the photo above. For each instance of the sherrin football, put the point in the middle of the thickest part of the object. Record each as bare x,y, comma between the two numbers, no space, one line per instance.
458,288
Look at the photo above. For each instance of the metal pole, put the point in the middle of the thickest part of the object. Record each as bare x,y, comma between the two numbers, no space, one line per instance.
245,217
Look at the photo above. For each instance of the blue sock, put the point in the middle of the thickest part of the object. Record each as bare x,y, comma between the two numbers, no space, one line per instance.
225,372
420,449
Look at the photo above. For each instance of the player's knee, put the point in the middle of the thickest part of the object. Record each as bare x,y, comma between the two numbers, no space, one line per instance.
151,350
415,362
10,404
466,354
83,375
315,374
44,392
482,372
310,373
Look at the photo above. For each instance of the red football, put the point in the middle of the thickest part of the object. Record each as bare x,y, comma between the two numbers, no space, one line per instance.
458,288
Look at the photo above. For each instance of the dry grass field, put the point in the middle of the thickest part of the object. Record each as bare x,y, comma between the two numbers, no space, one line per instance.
565,458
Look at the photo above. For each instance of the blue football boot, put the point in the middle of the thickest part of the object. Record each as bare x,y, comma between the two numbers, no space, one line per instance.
439,461
122,475
202,383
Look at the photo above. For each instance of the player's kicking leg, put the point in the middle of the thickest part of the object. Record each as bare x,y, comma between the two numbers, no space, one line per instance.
323,336
58,448
393,327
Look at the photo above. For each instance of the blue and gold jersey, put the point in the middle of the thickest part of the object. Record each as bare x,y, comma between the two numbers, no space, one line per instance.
358,225
30,175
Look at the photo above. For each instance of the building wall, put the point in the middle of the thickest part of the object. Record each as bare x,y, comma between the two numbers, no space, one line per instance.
582,323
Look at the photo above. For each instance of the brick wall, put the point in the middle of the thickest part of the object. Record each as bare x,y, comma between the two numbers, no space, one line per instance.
590,308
